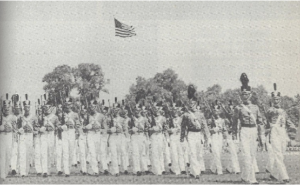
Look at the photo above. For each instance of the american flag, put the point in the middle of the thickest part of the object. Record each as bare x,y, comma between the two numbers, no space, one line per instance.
123,30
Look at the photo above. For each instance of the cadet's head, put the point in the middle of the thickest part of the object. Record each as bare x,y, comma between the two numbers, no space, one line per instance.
6,107
276,96
26,104
68,104
216,109
175,113
93,106
193,104
48,108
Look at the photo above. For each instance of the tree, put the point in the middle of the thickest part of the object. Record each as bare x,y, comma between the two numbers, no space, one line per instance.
87,78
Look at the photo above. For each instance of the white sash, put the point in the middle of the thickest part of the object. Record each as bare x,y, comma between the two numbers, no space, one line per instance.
251,114
27,121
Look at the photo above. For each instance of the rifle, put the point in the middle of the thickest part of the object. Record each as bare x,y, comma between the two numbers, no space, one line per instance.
131,117
42,111
111,124
211,112
170,115
59,131
1,116
153,122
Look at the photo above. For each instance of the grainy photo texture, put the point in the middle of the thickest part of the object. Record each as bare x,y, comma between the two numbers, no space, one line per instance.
149,92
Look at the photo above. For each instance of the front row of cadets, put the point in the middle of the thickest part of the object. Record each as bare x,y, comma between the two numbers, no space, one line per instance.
120,137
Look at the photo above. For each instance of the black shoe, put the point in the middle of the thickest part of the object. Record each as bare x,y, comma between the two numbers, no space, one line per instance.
117,174
125,172
84,173
267,171
96,174
188,165
183,172
227,171
286,181
172,171
67,175
45,175
170,164
202,172
147,172
39,174
164,173
13,172
78,162
59,173
23,176
138,173
75,165
106,172
197,177
255,183
272,178
192,176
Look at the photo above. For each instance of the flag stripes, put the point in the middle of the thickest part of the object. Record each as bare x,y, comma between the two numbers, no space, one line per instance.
123,30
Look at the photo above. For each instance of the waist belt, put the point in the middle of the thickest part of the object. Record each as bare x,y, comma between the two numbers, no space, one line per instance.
93,131
5,132
194,130
249,125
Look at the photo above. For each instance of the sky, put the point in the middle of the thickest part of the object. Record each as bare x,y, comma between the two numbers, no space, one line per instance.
205,43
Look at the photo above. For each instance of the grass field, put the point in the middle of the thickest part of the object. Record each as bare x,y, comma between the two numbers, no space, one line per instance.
292,161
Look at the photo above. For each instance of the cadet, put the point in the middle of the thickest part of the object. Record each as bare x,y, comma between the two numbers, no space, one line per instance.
193,122
249,117
233,165
217,126
139,135
177,155
103,141
157,141
49,124
115,141
279,121
28,122
71,120
7,128
94,122
17,110
37,140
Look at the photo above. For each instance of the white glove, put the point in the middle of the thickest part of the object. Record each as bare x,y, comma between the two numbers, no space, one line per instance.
43,129
21,130
134,129
2,128
113,129
89,126
64,127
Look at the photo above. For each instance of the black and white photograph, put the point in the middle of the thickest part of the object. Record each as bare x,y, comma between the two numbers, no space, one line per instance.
150,92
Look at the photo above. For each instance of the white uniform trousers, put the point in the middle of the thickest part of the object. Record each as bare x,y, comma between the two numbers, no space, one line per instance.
139,160
103,151
117,147
47,150
157,157
59,153
271,158
216,147
233,165
82,142
26,152
196,152
5,153
166,154
15,153
68,148
248,147
93,140
186,152
177,155
279,142
37,153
